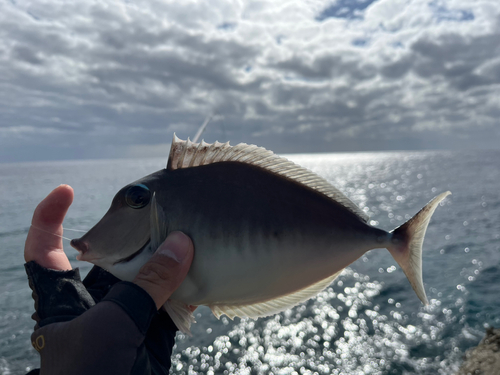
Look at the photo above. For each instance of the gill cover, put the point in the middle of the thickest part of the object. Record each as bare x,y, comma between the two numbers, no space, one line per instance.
123,231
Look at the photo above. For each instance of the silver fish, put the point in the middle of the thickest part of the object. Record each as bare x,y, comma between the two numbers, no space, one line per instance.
268,234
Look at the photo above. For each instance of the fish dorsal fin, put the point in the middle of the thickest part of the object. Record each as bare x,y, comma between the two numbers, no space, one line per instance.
261,309
186,154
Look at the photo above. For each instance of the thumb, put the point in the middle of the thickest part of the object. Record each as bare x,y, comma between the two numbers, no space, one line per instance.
167,268
44,243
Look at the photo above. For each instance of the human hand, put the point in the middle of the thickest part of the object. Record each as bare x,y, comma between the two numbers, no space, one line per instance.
167,268
159,277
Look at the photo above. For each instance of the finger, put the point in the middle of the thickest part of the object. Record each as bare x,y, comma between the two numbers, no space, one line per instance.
43,244
168,267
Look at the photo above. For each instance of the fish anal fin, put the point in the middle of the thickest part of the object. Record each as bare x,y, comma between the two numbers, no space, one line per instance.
274,306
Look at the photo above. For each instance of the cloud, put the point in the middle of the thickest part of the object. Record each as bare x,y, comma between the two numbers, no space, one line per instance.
89,79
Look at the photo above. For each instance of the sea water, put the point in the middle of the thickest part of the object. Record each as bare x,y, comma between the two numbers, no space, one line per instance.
369,321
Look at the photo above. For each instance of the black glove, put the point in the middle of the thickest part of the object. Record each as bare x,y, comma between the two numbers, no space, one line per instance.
99,326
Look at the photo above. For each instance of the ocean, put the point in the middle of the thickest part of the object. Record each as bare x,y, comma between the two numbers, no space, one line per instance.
369,321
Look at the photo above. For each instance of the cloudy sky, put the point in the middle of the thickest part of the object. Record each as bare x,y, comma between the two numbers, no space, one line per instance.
105,79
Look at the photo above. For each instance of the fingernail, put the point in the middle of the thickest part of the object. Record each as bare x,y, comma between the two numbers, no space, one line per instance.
176,246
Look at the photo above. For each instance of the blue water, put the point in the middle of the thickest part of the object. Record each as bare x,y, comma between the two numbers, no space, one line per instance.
368,322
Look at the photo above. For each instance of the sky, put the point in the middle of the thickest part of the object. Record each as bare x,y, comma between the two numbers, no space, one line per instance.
110,79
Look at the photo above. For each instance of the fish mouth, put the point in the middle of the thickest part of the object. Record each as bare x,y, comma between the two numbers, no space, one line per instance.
83,248
133,255
80,245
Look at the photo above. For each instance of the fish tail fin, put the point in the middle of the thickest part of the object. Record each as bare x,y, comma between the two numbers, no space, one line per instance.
181,315
406,245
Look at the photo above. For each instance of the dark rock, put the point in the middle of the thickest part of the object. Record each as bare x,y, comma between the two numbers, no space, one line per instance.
484,359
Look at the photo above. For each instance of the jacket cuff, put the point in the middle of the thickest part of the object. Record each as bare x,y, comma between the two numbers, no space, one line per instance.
136,302
58,295
98,282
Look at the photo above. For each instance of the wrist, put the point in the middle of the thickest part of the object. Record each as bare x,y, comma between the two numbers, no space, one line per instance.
51,259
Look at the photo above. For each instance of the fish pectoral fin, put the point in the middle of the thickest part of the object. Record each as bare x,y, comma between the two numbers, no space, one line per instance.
158,224
274,306
181,315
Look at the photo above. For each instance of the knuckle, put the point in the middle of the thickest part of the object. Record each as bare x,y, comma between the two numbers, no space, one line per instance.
154,273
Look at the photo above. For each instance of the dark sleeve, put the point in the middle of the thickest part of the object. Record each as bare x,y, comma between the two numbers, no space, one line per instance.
121,334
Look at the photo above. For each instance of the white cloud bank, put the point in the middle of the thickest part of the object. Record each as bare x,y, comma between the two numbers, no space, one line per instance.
98,78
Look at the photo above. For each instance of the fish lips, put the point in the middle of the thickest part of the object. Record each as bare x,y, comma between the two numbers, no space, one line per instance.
83,248
80,245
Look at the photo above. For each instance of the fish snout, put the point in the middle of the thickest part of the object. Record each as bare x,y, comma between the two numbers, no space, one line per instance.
80,245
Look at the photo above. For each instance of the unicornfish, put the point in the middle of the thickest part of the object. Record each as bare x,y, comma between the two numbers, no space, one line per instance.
268,234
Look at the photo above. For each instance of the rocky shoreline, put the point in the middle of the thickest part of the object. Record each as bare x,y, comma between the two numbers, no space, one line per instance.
484,359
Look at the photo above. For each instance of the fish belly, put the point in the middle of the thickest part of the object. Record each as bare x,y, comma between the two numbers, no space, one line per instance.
251,274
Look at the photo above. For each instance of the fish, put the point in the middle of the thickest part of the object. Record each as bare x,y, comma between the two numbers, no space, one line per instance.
268,234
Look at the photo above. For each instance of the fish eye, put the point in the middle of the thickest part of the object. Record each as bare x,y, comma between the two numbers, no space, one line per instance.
137,196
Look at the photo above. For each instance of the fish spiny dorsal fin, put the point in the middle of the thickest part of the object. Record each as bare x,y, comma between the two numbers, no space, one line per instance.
186,154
